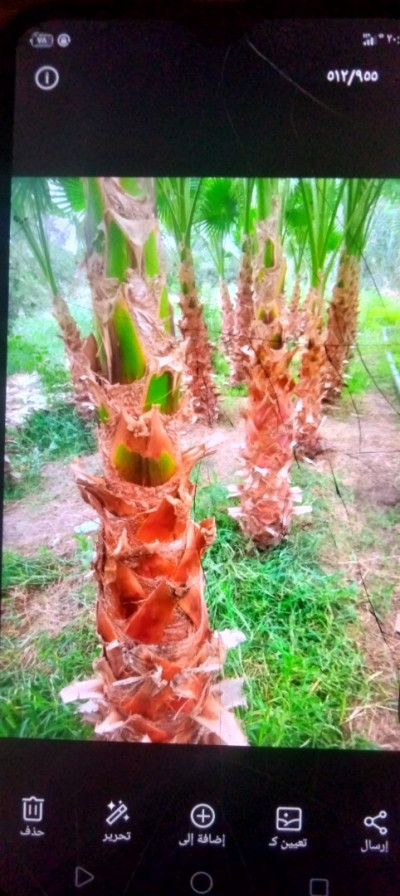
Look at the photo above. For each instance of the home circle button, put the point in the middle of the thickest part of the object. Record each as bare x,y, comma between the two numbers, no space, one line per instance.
201,882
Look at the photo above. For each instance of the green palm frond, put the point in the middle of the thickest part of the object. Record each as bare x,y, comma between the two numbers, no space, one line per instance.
68,196
218,210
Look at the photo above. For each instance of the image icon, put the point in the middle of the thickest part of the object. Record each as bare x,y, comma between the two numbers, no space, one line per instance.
289,819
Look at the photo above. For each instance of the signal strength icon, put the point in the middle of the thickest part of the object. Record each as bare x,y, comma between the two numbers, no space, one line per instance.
369,40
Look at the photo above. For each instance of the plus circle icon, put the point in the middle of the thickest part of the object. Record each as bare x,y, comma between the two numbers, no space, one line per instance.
202,816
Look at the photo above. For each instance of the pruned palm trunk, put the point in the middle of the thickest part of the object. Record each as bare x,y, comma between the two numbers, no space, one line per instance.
197,349
296,317
159,678
342,325
228,320
309,390
266,497
79,352
244,317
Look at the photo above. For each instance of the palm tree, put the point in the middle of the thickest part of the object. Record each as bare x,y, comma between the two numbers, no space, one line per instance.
177,201
32,202
244,309
359,203
217,214
269,268
266,496
316,221
159,676
311,219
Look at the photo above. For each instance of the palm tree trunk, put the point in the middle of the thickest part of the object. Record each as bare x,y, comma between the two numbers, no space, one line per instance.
159,677
79,352
269,269
244,317
197,350
342,325
228,320
308,413
266,498
295,321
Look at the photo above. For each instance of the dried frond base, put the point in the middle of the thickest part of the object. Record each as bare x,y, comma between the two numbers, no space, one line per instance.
244,317
342,326
308,412
198,351
81,353
266,504
266,507
145,697
296,321
228,320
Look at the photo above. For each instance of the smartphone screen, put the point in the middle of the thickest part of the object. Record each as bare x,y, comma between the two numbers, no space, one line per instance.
200,604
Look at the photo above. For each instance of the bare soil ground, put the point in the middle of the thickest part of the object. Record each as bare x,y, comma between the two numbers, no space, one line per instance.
361,456
363,452
48,517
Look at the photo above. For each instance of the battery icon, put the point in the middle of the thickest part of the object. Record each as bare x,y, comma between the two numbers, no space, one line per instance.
41,41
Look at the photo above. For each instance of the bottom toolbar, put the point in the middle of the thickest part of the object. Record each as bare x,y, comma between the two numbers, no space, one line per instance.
139,819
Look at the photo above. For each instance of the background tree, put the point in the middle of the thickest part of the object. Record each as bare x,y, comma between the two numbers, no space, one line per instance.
31,202
311,215
244,309
177,201
359,202
217,215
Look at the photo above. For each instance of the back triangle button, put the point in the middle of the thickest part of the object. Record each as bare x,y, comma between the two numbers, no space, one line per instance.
82,876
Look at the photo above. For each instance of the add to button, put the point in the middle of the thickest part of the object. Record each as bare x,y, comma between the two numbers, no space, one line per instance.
202,815
201,882
47,77
82,877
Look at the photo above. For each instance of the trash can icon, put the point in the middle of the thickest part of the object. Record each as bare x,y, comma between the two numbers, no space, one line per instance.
32,808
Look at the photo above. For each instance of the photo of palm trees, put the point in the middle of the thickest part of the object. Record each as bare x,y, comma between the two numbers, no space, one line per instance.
202,493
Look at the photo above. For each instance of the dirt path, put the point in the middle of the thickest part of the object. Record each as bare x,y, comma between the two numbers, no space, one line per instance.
49,516
363,454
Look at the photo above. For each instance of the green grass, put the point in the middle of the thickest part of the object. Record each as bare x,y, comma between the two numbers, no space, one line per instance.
38,571
238,391
47,435
34,345
30,701
35,664
369,365
379,538
303,671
